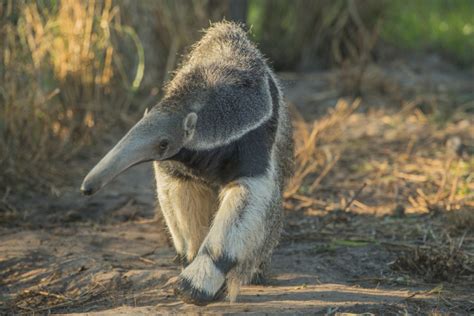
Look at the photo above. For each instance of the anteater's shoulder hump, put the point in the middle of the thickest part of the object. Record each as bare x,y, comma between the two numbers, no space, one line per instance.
224,55
226,31
226,42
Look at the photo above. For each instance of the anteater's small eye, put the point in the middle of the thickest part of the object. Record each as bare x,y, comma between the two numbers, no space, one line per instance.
164,144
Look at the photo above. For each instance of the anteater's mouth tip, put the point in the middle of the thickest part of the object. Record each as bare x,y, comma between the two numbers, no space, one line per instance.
87,191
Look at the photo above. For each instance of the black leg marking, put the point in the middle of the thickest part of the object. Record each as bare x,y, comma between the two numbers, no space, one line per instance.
224,263
222,293
189,294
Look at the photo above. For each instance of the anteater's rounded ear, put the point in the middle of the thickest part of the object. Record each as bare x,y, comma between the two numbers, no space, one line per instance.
190,123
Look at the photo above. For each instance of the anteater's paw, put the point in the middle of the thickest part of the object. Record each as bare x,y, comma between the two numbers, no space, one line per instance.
201,282
188,293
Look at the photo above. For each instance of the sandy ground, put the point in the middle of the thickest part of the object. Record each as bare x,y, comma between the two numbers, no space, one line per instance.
110,254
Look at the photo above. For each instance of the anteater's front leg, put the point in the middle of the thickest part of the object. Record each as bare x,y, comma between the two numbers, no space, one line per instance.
235,240
187,207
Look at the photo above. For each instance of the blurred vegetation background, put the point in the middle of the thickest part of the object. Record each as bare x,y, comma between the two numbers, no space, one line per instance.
71,70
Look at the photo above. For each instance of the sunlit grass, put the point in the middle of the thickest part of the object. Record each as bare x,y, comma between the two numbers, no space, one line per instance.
62,78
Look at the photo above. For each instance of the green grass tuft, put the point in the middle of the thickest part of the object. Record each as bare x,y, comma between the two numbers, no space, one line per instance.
445,25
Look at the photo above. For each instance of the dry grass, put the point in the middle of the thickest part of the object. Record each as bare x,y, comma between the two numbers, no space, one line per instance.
62,78
403,161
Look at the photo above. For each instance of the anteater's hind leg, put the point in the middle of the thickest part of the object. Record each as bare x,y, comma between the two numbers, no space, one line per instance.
261,269
187,207
260,276
260,272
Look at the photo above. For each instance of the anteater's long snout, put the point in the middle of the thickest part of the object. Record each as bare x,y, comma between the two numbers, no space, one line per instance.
134,148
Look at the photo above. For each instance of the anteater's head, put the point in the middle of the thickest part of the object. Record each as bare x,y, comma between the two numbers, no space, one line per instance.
159,135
